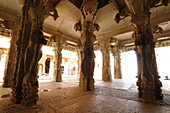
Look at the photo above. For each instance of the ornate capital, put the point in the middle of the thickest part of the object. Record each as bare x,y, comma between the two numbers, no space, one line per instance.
89,9
78,26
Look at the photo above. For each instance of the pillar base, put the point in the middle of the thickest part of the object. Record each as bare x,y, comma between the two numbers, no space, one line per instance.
5,85
117,77
87,84
30,93
106,80
146,87
7,82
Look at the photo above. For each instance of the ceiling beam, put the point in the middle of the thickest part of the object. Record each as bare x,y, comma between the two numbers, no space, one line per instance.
154,21
156,36
13,17
6,15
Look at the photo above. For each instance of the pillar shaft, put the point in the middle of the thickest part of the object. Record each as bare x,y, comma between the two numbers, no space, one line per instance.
87,28
117,64
12,59
148,80
87,65
1,52
80,55
106,72
29,43
58,60
22,43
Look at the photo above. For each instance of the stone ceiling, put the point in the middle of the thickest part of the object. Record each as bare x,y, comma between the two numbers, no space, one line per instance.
69,14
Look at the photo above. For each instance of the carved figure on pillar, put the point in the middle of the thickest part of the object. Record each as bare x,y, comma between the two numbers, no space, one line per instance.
32,56
87,28
105,49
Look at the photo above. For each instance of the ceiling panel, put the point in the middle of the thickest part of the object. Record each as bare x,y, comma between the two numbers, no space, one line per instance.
67,27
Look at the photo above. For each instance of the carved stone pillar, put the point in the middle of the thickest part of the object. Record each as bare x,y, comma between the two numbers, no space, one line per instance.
30,41
105,47
87,66
79,54
22,43
12,59
58,59
87,28
148,80
117,62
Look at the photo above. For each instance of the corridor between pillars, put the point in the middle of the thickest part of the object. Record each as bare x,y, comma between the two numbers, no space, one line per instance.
87,27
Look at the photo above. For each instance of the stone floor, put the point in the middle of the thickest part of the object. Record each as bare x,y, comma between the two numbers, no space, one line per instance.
118,96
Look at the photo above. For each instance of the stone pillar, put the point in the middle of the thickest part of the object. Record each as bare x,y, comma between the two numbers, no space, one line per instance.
12,59
29,43
117,62
105,47
148,80
87,28
79,53
22,43
1,52
58,59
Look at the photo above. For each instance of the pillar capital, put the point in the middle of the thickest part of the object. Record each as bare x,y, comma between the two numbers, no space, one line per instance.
89,9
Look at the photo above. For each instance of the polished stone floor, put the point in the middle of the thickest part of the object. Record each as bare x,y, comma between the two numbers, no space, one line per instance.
118,96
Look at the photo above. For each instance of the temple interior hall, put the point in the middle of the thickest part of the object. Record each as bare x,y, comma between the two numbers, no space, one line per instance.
84,56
